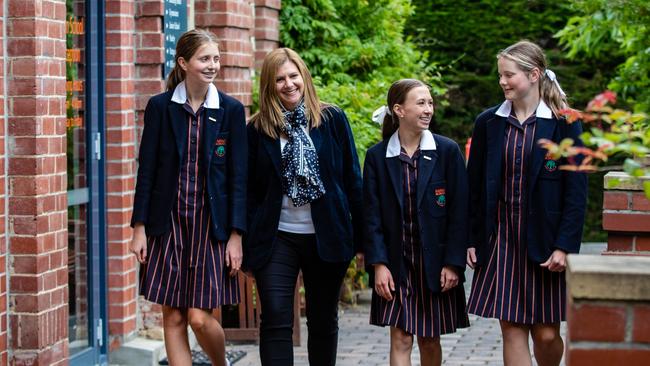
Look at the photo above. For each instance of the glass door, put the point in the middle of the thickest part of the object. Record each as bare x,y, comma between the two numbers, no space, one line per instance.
86,234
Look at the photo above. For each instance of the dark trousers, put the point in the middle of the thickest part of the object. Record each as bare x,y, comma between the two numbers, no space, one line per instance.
276,282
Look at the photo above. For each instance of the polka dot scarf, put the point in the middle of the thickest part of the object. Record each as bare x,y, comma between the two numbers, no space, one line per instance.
300,172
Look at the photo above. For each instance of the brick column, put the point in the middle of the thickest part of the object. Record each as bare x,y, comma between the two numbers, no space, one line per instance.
232,21
149,69
626,216
120,167
267,29
36,50
3,217
608,310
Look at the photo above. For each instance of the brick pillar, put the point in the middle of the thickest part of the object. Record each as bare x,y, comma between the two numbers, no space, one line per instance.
267,29
608,310
120,167
149,69
38,314
3,217
232,21
626,216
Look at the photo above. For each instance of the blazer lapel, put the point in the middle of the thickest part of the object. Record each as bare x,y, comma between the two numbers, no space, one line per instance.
495,131
272,146
394,167
544,130
426,163
177,120
211,127
316,138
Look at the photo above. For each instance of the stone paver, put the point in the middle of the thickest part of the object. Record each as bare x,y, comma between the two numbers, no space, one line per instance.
363,344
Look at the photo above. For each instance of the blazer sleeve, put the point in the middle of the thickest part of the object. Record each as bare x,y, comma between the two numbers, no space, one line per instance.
376,251
476,183
253,141
575,200
147,162
352,182
238,169
455,252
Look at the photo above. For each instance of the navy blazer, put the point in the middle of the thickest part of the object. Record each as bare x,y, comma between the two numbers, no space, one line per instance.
556,198
163,141
336,215
443,227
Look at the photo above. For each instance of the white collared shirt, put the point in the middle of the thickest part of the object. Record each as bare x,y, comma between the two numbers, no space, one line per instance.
543,111
211,99
395,147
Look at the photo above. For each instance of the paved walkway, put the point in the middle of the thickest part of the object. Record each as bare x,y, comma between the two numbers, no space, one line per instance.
363,344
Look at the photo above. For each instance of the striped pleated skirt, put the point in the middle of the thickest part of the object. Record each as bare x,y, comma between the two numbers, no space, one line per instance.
416,309
510,286
186,267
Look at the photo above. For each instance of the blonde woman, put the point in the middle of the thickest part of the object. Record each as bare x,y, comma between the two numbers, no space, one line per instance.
304,208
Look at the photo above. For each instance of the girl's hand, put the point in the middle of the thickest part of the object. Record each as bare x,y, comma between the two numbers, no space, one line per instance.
556,262
448,278
138,245
384,285
234,253
471,257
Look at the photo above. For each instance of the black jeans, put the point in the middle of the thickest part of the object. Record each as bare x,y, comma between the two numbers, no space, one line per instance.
276,282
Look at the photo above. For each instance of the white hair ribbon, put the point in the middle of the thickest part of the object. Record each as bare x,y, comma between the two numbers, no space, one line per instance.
551,75
379,114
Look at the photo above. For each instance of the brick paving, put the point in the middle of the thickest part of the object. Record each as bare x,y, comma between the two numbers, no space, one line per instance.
363,344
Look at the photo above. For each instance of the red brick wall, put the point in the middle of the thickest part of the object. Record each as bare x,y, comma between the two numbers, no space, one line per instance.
120,167
608,333
267,28
3,222
37,191
626,218
149,68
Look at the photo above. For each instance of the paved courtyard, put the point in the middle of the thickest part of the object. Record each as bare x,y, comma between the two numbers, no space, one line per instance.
363,344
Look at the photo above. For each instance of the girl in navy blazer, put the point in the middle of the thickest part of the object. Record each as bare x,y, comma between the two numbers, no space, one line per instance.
304,208
526,213
189,210
415,206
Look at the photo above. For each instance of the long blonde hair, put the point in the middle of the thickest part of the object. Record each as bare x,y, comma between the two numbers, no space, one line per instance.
270,119
186,47
527,55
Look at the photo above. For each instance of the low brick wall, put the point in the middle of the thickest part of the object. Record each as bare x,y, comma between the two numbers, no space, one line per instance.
626,215
608,310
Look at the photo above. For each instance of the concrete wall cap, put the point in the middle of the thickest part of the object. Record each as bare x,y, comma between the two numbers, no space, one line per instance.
608,277
623,182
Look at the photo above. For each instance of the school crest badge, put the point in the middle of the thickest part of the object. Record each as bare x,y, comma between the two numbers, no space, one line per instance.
440,197
549,164
221,148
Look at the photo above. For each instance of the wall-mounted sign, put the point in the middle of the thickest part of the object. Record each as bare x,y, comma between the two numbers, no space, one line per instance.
175,25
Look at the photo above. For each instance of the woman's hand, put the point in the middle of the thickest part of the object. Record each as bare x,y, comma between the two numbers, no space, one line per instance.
556,262
138,245
234,253
448,278
384,284
471,257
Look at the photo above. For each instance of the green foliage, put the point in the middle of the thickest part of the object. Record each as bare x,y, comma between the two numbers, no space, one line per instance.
603,29
610,132
465,35
355,50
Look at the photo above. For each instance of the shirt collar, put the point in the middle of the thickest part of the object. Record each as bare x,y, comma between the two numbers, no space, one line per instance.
394,146
211,99
543,111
